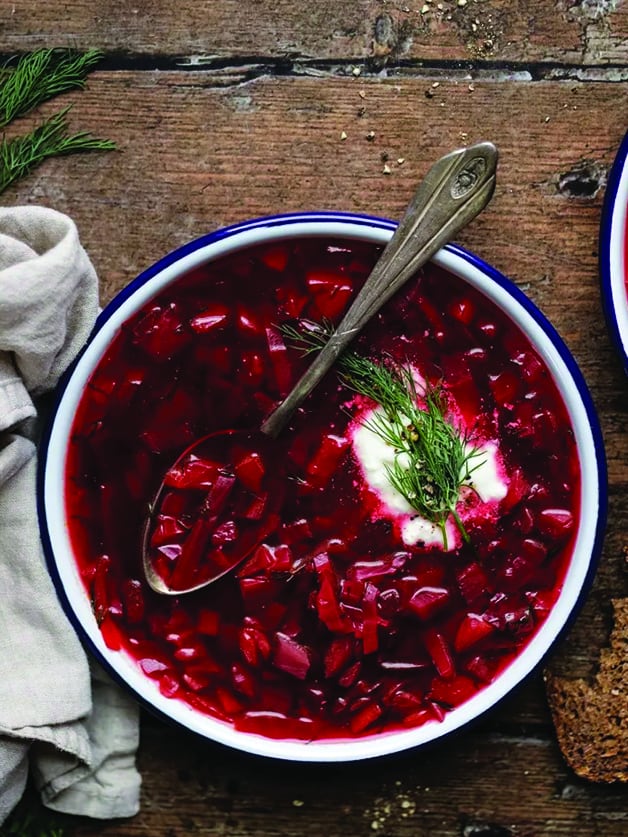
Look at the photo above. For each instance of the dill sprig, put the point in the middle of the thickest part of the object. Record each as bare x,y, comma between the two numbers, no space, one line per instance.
40,75
21,155
433,459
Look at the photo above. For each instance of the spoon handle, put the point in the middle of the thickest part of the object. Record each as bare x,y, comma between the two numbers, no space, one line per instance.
455,189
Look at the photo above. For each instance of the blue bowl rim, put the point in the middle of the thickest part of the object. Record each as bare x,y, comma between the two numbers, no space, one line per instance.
606,224
285,220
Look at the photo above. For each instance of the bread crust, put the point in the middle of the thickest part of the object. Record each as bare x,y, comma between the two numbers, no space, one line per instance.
591,719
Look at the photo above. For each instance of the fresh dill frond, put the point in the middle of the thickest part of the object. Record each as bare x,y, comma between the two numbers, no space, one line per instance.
433,458
20,155
41,75
308,336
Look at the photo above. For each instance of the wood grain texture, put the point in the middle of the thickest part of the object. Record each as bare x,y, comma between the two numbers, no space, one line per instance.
257,130
579,34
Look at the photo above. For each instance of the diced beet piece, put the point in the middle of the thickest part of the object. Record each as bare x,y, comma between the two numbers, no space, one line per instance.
529,364
480,668
226,533
252,367
211,318
133,596
291,300
453,691
192,472
428,601
290,656
368,714
255,508
473,629
154,667
438,649
505,387
465,394
104,590
254,645
518,488
229,702
295,531
523,520
338,655
389,603
331,292
403,701
430,573
111,633
251,323
185,573
280,362
276,257
161,332
522,419
541,601
506,613
194,651
259,562
328,607
420,717
243,680
350,675
167,529
352,592
208,622
197,679
370,638
556,522
327,458
473,583
169,684
462,310
378,568
250,470
258,591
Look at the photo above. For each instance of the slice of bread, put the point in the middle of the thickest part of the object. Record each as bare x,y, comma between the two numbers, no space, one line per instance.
591,719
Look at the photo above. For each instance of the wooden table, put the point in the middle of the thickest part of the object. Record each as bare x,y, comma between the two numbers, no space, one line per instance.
229,109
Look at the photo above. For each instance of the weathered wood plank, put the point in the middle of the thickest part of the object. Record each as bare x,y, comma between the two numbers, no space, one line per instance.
369,30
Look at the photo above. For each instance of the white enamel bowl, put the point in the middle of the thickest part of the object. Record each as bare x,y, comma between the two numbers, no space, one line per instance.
613,256
504,294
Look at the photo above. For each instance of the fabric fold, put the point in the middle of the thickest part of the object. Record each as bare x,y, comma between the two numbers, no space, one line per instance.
78,734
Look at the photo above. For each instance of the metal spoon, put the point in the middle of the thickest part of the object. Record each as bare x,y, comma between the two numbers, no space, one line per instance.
455,189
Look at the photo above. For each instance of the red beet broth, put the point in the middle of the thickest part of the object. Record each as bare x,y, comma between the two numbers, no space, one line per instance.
332,628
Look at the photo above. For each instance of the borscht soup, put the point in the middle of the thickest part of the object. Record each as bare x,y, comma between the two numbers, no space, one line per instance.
399,544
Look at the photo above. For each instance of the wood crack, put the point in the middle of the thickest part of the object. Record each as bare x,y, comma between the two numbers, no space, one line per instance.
248,67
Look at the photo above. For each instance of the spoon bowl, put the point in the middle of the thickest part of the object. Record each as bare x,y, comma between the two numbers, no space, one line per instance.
217,502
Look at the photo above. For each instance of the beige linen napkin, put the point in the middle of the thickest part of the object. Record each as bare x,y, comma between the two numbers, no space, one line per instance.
78,735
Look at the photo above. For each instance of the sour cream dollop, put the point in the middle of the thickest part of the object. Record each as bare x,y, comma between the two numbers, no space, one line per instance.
479,496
